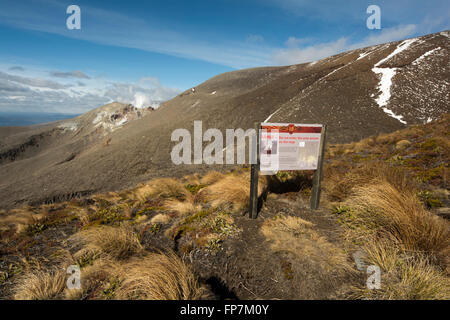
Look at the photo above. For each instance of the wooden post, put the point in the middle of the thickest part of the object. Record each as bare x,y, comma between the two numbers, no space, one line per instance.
253,208
315,192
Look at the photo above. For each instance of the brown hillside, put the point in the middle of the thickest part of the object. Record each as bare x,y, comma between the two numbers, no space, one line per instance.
97,151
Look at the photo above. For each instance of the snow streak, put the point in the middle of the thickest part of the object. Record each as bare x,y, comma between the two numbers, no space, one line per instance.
387,74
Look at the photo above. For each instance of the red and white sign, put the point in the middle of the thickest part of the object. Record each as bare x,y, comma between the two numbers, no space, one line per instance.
285,146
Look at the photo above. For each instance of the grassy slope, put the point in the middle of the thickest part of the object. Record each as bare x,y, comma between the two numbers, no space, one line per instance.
388,192
382,197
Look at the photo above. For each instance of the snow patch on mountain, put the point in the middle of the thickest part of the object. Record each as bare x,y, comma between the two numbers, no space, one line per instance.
400,48
426,54
384,85
362,55
387,74
269,117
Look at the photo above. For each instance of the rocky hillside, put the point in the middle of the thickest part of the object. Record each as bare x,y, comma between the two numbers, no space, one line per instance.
357,94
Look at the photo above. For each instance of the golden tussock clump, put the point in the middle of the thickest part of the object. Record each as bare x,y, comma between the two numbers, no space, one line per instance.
164,188
20,219
94,276
116,242
161,218
183,207
211,177
409,244
157,277
154,276
403,276
40,285
231,192
111,197
193,179
399,217
340,184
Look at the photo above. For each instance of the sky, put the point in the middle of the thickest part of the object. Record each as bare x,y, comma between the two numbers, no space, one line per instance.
145,52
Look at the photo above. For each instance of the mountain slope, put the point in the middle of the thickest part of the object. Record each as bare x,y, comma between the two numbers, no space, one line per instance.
357,94
380,206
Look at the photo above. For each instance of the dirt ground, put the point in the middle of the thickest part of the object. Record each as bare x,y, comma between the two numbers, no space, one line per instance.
247,268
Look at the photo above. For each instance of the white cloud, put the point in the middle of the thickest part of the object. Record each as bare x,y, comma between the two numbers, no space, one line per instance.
37,94
387,35
295,55
315,52
33,82
132,32
148,35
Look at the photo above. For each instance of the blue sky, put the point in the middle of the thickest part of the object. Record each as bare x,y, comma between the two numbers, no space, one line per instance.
145,52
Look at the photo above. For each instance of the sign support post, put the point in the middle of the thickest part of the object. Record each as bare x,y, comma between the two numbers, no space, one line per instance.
315,192
253,208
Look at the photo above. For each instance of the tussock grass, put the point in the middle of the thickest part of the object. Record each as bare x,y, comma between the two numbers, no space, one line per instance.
339,185
182,207
111,198
116,242
297,236
40,285
32,220
383,254
153,276
94,277
231,192
206,228
157,277
378,204
211,177
161,218
398,217
410,244
140,219
164,188
404,276
20,219
193,179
